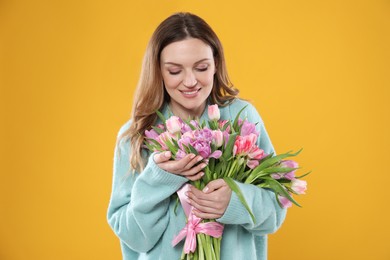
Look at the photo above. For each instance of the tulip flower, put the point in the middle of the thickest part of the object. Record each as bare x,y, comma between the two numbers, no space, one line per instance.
248,128
244,144
213,112
173,124
289,164
299,186
217,138
284,201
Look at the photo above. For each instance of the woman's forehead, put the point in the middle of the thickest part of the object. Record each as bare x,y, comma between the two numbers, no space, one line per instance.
189,50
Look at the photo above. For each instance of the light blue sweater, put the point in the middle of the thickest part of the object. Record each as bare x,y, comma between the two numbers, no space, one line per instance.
141,209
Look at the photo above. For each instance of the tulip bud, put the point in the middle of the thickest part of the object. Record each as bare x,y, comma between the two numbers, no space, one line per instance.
217,138
298,186
213,112
173,124
286,203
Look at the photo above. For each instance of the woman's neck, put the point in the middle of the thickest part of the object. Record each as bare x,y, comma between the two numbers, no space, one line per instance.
184,113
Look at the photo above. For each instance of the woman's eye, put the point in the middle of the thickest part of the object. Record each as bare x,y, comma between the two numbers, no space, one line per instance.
174,72
202,69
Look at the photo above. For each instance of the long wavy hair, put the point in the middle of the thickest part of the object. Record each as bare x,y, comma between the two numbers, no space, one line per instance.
151,95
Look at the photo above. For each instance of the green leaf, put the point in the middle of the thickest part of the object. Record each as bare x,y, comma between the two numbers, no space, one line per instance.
161,116
235,122
237,190
150,147
272,160
266,158
193,128
192,149
158,130
225,126
154,142
303,175
211,164
278,188
172,147
229,147
278,170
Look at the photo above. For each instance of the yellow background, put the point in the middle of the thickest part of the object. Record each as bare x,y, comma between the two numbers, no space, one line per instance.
318,72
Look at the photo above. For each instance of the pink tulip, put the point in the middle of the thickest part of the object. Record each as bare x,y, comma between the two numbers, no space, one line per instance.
244,144
276,176
299,186
289,164
284,201
221,124
252,163
189,134
163,138
217,138
248,128
213,112
256,153
173,124
180,154
151,134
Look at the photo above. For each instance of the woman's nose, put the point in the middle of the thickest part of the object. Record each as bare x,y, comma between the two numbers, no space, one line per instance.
189,80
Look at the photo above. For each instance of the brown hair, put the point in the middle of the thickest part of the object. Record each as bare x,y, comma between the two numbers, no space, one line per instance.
150,94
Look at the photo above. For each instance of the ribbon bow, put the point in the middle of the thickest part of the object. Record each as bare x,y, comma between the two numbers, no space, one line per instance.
194,225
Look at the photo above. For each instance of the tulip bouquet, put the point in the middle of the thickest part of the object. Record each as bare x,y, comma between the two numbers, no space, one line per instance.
230,151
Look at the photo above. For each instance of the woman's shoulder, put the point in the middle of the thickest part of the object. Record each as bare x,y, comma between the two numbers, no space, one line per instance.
248,111
124,127
237,105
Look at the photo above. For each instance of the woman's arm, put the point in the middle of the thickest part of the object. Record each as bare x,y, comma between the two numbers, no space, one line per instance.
137,211
262,202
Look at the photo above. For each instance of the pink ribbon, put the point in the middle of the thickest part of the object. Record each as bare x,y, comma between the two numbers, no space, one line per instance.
193,225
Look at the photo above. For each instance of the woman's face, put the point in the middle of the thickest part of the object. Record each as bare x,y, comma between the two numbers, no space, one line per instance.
188,69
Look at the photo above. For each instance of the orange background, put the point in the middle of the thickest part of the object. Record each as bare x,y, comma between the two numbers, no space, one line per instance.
318,72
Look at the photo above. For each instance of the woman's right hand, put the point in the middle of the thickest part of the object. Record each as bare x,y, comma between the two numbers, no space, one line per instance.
185,167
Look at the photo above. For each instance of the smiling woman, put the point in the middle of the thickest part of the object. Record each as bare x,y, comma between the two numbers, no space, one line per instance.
188,72
183,71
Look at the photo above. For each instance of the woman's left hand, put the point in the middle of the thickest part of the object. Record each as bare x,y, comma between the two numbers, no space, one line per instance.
211,203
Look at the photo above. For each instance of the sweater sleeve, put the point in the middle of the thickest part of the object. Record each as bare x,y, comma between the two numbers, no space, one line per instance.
262,202
139,202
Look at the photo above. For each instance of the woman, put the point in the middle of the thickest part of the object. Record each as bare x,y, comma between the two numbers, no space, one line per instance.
183,71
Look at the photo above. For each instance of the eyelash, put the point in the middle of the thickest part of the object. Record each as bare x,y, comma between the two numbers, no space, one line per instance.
177,72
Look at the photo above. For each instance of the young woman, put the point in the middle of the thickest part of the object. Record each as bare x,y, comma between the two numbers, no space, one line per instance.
183,71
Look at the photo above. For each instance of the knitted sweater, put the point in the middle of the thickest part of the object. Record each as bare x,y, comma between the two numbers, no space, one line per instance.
141,209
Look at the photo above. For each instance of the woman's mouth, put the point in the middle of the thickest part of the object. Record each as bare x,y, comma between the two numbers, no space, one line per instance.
190,93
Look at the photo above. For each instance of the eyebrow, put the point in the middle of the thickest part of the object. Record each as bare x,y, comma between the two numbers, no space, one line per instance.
177,64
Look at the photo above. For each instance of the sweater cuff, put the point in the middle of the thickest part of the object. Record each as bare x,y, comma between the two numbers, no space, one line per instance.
156,175
235,213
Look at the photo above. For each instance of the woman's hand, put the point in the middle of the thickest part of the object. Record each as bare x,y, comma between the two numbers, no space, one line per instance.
184,167
211,203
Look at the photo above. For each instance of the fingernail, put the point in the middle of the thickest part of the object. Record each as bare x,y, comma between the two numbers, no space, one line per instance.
202,174
200,158
205,189
192,156
203,165
167,154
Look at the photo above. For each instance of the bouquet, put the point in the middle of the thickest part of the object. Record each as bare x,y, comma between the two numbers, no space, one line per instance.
230,151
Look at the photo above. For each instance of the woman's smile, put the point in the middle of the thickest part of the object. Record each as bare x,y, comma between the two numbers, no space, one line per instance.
188,69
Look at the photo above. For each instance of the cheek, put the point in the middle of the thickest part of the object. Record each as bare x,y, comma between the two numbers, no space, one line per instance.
206,79
171,82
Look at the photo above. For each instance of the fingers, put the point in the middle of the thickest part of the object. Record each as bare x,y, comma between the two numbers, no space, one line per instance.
214,185
203,215
188,162
213,203
162,157
187,166
195,177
